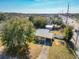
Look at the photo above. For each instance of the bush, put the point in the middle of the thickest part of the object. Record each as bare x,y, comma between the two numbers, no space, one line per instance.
68,33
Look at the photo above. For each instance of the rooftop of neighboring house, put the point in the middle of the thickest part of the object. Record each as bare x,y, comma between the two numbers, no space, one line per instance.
49,26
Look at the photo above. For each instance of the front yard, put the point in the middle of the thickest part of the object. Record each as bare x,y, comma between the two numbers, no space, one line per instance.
59,51
35,50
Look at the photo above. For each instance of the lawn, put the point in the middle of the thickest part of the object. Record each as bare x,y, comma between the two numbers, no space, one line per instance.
59,51
55,32
35,50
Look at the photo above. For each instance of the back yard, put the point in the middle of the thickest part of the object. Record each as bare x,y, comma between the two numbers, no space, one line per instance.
59,50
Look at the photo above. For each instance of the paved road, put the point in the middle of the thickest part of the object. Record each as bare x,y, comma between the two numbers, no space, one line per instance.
44,53
72,22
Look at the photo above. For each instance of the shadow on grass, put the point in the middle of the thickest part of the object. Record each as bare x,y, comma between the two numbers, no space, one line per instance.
23,54
71,47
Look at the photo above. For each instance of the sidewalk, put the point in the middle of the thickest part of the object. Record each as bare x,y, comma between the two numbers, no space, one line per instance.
77,47
44,53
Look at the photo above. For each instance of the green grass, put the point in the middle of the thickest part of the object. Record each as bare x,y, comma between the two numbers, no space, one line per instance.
60,52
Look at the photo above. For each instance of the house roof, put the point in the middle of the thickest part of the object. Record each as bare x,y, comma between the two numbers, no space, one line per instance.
50,26
59,36
44,33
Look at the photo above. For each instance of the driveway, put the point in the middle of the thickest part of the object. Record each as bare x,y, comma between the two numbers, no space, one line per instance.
44,53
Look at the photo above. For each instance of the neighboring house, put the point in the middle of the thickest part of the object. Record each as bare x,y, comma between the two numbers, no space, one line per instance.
50,27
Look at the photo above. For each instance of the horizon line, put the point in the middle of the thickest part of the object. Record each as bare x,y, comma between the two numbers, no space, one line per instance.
40,13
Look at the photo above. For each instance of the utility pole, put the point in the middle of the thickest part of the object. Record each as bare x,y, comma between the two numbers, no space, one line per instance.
67,13
62,11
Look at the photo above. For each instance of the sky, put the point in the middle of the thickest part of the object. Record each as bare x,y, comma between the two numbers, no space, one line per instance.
39,6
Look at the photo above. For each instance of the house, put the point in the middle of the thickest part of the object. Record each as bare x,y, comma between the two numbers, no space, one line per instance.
44,36
50,27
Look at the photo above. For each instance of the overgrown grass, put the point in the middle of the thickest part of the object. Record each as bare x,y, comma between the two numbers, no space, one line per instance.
60,52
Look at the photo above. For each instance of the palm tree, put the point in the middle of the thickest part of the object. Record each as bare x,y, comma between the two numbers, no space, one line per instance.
68,33
16,33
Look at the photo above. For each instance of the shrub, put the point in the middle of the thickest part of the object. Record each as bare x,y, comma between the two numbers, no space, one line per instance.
68,33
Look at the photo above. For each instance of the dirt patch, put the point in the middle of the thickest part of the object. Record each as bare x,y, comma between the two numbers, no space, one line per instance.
59,42
56,32
35,50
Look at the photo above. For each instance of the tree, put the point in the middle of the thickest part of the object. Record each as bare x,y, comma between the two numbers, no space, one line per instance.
2,17
39,21
31,18
57,20
17,32
68,33
63,26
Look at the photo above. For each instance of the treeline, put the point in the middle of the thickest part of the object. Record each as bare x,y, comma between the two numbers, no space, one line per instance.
38,20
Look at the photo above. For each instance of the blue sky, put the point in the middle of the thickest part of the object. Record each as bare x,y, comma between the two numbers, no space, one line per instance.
38,6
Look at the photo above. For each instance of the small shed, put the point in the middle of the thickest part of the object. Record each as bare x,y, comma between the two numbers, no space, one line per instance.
59,36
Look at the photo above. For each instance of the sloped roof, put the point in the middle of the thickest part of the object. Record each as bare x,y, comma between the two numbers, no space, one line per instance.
44,33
